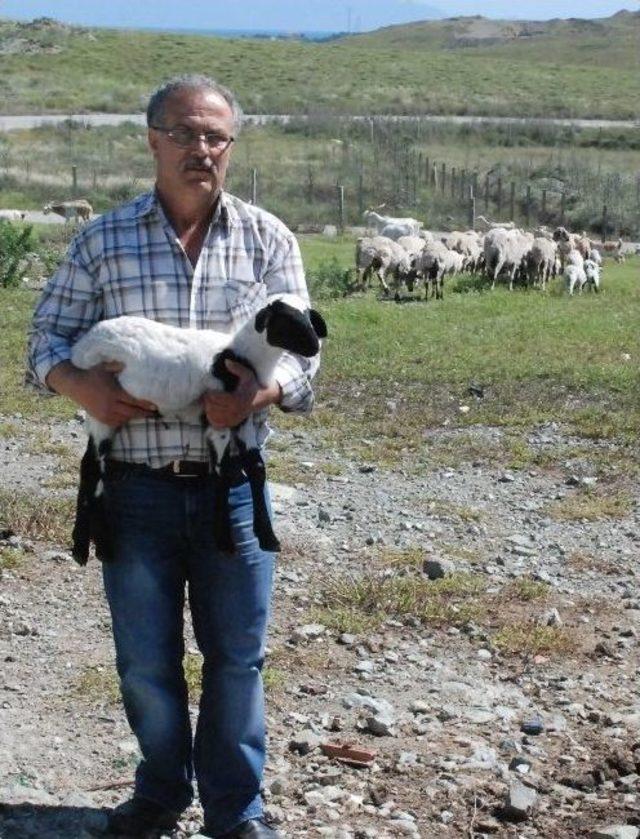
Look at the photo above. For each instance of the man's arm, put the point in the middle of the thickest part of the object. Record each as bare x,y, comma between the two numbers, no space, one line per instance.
97,391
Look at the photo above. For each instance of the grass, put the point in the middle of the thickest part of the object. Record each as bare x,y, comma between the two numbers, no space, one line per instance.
530,639
592,505
11,558
39,517
396,70
525,588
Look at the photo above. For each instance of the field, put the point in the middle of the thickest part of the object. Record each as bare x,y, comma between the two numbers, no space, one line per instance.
299,165
434,68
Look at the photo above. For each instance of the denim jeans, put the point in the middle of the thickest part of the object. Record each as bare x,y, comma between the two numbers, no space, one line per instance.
164,545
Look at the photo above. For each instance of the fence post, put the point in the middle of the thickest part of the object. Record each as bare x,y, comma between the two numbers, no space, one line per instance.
563,206
604,223
486,193
254,187
340,195
443,175
427,171
544,205
527,206
512,201
499,196
453,181
74,181
463,183
360,193
472,208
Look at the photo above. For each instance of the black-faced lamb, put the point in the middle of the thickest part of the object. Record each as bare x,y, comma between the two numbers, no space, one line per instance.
172,368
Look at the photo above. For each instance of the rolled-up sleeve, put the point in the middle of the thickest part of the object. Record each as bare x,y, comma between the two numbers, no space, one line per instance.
69,306
293,373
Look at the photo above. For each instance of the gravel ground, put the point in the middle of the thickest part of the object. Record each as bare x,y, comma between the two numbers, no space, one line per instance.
467,740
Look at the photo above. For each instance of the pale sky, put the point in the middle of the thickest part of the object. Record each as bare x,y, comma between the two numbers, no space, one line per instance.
294,15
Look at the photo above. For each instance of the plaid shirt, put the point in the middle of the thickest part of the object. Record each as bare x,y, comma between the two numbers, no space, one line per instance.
130,262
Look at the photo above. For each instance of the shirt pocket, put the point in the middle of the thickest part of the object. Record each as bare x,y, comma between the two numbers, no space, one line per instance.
244,294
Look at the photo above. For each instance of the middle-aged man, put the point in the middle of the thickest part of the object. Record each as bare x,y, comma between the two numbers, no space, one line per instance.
190,255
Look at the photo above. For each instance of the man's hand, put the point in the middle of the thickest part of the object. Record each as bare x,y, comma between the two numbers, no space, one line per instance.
226,410
98,391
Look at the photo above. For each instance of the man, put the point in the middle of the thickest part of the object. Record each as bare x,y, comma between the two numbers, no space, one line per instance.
187,254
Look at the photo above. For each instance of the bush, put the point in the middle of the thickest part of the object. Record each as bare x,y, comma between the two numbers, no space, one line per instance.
330,280
15,245
464,283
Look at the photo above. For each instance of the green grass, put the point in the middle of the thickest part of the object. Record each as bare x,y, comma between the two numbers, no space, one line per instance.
397,70
591,505
530,639
37,516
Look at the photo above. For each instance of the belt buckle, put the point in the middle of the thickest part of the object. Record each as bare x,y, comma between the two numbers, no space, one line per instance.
175,468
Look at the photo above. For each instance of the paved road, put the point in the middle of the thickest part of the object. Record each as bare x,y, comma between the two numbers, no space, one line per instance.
9,123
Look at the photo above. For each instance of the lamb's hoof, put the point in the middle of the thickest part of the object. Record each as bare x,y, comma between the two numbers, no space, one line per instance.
269,542
80,555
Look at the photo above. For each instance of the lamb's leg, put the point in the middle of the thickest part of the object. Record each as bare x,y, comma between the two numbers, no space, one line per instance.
91,522
253,465
100,528
221,517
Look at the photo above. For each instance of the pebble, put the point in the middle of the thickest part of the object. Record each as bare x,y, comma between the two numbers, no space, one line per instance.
520,802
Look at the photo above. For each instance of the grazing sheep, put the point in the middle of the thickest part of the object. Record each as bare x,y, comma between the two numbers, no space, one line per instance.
570,241
413,245
541,261
493,225
595,256
506,250
172,368
69,210
408,226
592,275
385,258
433,263
575,275
12,215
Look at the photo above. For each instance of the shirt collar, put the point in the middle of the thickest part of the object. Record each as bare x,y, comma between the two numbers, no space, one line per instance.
225,213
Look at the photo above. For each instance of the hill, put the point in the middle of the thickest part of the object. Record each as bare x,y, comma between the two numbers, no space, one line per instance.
574,68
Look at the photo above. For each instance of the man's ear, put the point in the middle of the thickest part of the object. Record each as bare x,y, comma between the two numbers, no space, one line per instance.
262,318
317,321
152,140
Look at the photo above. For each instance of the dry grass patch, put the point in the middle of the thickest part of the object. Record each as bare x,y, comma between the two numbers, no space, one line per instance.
592,504
37,516
372,598
531,639
11,558
9,430
526,588
284,469
98,682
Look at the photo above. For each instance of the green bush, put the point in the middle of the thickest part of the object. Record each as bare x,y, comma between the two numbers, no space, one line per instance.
15,244
330,280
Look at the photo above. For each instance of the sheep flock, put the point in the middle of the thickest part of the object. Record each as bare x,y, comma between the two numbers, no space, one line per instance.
400,252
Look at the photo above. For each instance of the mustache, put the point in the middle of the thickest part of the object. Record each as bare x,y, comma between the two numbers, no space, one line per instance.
201,165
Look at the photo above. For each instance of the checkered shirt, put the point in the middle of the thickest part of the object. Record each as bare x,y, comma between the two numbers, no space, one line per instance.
130,262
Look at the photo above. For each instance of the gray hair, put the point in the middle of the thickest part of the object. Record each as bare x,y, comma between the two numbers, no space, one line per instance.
194,81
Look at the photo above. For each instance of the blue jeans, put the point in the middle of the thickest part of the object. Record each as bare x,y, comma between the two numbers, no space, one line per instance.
163,538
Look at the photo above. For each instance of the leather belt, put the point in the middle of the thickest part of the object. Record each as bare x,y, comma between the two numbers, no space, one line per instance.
176,469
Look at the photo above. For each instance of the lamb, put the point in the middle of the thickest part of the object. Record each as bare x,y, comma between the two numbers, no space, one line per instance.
570,241
172,368
413,245
80,209
575,275
410,226
595,256
12,215
433,263
592,274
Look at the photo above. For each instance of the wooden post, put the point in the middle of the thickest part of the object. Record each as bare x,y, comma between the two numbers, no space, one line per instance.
427,171
512,202
434,175
472,210
254,187
544,205
604,223
360,193
527,207
486,193
463,183
340,195
563,206
499,196
453,181
310,184
443,175
74,181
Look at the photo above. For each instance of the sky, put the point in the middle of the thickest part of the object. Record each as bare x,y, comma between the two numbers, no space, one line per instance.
296,15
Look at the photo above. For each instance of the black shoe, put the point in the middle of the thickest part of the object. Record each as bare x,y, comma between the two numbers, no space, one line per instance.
140,816
252,829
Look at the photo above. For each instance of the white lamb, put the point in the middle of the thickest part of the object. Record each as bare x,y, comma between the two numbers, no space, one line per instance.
575,276
410,226
172,368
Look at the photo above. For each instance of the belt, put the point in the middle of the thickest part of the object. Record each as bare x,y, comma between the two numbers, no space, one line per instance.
176,469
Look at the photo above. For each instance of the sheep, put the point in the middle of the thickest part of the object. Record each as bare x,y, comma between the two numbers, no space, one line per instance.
172,368
468,244
595,256
575,275
384,257
505,250
410,226
592,274
574,257
80,209
12,215
571,241
541,261
413,245
433,263
493,225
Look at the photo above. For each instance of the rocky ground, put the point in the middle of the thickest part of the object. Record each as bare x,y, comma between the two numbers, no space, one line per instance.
520,718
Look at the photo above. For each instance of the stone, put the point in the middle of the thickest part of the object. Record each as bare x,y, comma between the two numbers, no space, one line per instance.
615,831
436,569
532,726
308,632
520,802
304,742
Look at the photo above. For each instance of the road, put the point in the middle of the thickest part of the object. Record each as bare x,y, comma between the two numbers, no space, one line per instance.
9,123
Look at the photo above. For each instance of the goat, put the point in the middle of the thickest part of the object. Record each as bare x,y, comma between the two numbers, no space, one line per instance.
172,368
69,210
400,226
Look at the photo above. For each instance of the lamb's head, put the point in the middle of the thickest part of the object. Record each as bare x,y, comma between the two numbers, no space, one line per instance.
46,209
291,325
561,234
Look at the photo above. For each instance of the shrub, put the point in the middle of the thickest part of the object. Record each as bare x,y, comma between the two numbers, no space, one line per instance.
15,245
330,280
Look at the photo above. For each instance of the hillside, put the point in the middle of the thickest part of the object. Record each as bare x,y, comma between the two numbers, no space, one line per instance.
461,65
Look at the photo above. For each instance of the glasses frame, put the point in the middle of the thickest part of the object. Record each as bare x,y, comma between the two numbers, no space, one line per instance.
197,136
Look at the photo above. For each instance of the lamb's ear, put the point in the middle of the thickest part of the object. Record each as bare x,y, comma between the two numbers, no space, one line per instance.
317,321
262,318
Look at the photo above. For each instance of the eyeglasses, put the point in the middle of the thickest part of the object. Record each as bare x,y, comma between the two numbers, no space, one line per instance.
184,137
